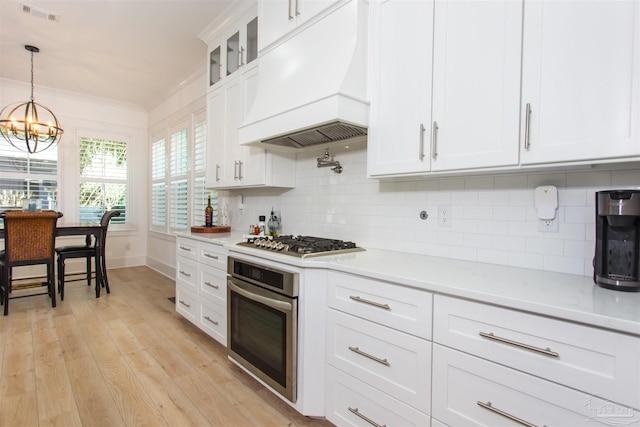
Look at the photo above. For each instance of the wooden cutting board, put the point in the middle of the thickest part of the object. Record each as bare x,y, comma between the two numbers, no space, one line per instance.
214,229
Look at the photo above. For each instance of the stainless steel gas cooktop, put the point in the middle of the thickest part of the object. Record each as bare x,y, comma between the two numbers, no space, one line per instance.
301,246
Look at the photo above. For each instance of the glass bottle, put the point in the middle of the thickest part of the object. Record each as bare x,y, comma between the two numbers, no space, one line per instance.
273,224
262,225
208,213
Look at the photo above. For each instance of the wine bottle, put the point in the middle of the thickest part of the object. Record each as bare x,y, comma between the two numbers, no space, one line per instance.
208,213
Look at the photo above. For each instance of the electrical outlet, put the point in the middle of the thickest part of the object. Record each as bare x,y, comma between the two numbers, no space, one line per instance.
548,225
444,216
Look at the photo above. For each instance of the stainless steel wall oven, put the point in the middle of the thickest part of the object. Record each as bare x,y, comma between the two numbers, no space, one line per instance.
262,315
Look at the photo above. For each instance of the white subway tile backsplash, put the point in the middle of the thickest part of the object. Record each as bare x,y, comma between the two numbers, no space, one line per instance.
493,216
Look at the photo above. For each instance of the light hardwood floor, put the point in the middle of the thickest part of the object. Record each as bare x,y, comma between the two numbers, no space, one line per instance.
125,359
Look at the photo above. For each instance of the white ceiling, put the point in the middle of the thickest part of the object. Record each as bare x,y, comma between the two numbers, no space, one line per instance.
136,51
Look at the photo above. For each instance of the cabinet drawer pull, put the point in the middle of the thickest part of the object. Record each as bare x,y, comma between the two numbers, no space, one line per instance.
185,248
208,255
240,169
217,173
434,141
545,351
185,304
491,408
184,273
367,419
211,285
290,14
211,320
373,303
421,155
527,125
376,359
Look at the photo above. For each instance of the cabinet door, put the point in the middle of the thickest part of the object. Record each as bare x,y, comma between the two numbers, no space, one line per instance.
580,80
279,17
252,157
215,65
476,84
215,138
401,59
232,171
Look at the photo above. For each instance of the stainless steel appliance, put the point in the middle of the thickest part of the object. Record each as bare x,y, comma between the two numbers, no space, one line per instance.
302,246
617,255
262,322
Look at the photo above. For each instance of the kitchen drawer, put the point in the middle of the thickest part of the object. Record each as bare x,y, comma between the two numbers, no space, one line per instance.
582,357
213,255
395,306
186,248
463,382
213,284
394,362
187,303
346,395
213,320
187,272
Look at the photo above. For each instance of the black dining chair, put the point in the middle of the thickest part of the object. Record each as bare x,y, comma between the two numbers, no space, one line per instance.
29,239
88,251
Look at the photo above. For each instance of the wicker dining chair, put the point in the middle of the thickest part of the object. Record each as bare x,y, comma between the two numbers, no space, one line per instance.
29,239
88,251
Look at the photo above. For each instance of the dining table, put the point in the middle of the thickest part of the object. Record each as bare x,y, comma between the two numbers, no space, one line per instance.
90,230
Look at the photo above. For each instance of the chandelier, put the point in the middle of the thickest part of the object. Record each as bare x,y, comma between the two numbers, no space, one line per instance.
30,126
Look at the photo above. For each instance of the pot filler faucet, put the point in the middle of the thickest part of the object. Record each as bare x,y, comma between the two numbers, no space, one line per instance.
327,161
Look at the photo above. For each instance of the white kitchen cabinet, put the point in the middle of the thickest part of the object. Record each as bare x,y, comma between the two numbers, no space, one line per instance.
229,164
280,17
401,67
492,363
476,84
378,353
232,46
351,402
201,286
470,391
580,81
569,95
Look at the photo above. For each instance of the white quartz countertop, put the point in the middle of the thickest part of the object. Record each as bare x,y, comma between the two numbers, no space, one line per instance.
564,296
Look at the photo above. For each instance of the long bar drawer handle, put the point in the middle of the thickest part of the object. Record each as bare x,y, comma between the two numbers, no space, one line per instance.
362,353
491,408
208,255
373,303
545,351
211,285
185,304
184,273
185,248
367,419
211,320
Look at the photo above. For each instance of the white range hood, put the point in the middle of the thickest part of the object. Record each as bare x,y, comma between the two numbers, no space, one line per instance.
312,88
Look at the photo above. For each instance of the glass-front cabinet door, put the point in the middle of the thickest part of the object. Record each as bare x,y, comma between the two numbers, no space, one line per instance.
232,49
215,66
234,53
252,40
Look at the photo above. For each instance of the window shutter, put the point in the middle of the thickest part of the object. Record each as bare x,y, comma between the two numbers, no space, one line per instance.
158,186
103,179
24,175
178,169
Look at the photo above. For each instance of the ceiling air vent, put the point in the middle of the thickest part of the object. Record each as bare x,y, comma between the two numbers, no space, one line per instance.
40,13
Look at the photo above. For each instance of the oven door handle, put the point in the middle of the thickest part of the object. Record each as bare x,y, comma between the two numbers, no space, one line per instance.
269,302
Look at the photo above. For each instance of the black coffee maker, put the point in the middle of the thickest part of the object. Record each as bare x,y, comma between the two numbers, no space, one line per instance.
617,256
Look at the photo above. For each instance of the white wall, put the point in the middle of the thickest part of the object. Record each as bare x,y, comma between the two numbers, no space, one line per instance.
493,216
127,246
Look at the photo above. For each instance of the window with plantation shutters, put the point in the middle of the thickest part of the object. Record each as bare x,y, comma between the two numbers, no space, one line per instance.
158,186
199,155
24,175
103,178
178,195
178,179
